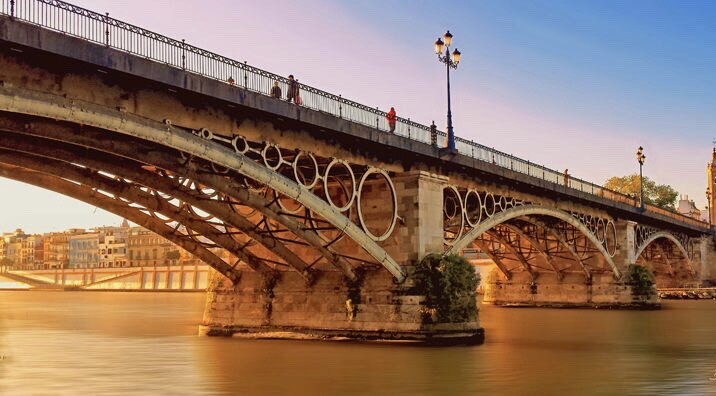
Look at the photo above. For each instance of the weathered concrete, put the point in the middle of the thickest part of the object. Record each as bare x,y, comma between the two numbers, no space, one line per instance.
570,292
330,308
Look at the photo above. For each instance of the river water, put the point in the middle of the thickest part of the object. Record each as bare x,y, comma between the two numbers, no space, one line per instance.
97,343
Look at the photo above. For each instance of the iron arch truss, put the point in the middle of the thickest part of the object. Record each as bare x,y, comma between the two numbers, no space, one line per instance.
532,230
257,200
664,253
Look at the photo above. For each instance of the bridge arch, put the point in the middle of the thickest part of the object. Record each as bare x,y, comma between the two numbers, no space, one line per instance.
60,109
656,241
88,195
528,211
659,235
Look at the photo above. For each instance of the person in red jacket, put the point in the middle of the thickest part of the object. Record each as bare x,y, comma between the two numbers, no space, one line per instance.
391,117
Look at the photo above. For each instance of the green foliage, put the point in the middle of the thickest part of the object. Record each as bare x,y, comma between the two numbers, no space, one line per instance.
661,195
449,284
173,255
353,288
268,282
640,281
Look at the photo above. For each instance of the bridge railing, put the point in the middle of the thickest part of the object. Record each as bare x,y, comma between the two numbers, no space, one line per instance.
102,29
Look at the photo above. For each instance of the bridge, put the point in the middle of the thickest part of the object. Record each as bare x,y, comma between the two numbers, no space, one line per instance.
323,212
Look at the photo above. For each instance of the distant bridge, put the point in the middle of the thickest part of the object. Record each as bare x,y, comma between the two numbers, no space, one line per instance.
322,210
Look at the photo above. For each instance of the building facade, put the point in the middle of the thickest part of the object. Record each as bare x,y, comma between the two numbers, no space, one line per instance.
146,248
687,207
56,251
21,251
112,246
83,250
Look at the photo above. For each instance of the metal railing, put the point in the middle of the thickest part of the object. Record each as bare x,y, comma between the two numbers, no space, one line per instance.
102,29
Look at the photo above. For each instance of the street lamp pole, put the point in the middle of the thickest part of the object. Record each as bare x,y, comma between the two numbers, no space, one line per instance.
641,158
450,61
708,202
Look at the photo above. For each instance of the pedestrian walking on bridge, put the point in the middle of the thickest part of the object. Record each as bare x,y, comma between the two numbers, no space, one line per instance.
292,92
392,118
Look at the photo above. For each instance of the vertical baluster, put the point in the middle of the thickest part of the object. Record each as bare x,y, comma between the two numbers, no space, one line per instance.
106,29
183,54
246,77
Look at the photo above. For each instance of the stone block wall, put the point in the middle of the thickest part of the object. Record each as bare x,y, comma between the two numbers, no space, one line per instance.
572,291
374,308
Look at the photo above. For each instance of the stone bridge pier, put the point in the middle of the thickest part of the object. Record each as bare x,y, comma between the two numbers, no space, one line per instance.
671,260
372,305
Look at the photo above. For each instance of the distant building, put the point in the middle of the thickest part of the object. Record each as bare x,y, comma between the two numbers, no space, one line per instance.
31,252
21,251
107,246
83,250
56,251
688,207
146,248
112,246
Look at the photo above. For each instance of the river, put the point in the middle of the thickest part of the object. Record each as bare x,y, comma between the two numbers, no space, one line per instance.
98,343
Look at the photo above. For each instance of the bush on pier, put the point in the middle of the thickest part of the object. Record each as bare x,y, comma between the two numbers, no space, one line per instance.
449,284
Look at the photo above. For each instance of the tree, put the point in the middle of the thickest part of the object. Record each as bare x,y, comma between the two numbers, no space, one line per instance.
173,255
661,195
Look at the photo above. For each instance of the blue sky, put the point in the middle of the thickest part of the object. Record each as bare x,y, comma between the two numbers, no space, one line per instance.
569,84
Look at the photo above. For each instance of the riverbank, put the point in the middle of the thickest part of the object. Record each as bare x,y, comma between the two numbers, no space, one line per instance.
701,293
165,278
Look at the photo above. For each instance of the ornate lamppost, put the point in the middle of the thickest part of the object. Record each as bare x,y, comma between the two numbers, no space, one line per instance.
708,203
640,157
450,61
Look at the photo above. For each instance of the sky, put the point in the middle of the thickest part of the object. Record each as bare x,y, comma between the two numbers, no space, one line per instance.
567,84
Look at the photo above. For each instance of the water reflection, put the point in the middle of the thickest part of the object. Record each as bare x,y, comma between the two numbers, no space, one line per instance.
145,343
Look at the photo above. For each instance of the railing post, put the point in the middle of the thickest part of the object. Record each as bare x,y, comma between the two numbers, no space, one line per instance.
408,128
528,168
472,147
106,29
183,54
377,118
433,134
246,76
12,9
340,107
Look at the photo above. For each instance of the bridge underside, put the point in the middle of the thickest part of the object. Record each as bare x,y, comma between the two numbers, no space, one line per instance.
283,267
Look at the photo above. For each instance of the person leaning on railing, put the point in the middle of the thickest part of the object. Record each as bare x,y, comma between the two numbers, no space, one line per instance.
276,90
